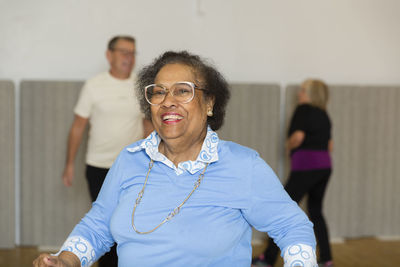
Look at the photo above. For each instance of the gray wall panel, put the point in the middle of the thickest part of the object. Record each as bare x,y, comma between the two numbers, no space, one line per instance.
252,119
363,197
7,164
49,209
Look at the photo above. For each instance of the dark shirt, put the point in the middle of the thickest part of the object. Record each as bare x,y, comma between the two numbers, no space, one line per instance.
313,153
316,125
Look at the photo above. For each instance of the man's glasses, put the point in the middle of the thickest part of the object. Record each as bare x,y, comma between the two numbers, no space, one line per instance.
183,92
125,52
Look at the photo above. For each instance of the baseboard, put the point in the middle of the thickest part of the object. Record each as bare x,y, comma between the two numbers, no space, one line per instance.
337,240
388,237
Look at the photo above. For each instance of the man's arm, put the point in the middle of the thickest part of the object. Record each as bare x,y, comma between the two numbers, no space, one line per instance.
74,140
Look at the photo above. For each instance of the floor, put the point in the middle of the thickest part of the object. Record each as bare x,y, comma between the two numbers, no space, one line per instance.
365,252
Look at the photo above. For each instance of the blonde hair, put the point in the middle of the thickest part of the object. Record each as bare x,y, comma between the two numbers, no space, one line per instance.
317,91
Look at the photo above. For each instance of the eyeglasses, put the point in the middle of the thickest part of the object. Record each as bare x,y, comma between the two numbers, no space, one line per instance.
125,52
183,92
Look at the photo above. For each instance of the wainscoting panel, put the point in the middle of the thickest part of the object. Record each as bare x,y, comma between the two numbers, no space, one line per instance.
7,164
49,209
362,199
252,119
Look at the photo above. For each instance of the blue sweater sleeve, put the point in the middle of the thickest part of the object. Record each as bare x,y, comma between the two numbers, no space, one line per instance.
91,237
271,209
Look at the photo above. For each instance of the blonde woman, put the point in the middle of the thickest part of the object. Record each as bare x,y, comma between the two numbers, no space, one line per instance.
309,144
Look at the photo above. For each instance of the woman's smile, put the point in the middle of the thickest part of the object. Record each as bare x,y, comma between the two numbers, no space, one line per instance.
171,117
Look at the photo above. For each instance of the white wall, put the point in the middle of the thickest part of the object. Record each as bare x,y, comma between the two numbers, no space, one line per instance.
341,41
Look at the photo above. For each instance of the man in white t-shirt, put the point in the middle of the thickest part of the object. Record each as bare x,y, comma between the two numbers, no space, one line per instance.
108,102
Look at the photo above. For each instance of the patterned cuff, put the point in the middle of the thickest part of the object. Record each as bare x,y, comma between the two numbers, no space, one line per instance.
81,248
300,255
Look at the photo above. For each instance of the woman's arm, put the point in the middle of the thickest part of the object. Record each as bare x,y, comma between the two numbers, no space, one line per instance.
295,139
91,237
330,145
273,211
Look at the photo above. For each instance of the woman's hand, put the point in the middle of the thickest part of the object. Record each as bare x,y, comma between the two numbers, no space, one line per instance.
45,260
65,259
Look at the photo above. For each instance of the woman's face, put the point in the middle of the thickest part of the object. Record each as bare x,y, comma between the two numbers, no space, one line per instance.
302,96
172,119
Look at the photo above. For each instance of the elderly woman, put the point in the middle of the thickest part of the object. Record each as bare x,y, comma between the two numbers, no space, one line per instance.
182,196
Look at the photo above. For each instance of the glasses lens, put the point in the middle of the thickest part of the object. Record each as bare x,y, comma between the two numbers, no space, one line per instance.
155,94
183,92
125,52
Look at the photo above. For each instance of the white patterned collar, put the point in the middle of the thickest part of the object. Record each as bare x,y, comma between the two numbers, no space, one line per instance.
208,152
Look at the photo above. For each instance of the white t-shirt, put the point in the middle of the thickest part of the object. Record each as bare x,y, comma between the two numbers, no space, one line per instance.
114,116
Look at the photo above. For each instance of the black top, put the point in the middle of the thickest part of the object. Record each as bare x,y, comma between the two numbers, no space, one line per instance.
315,123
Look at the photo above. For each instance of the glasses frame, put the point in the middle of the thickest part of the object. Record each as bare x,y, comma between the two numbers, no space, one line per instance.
124,52
193,85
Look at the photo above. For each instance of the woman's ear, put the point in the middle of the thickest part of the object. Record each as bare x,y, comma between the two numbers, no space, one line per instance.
211,102
210,107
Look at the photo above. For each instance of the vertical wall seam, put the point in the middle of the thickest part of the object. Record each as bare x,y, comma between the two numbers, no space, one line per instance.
282,136
17,165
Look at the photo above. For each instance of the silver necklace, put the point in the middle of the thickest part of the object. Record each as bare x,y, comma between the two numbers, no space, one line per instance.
174,211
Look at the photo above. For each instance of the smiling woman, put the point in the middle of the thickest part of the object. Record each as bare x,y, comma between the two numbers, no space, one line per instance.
182,196
202,74
181,126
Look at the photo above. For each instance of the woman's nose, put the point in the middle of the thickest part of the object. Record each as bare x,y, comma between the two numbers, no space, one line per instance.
169,99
